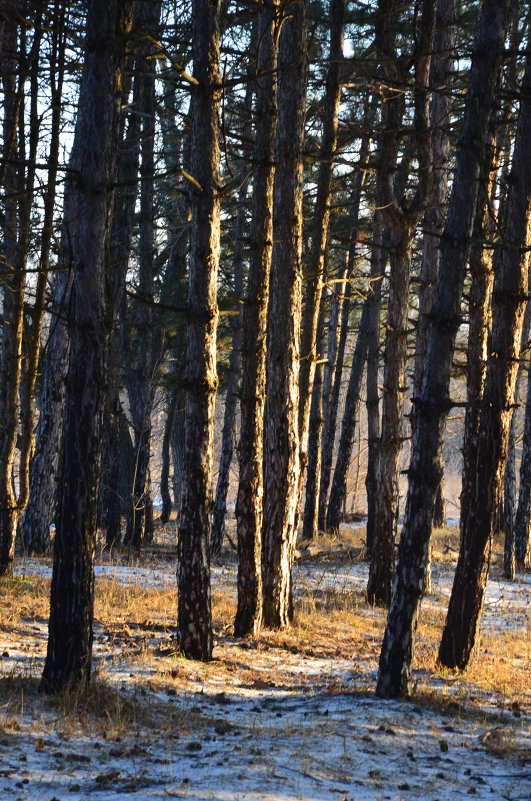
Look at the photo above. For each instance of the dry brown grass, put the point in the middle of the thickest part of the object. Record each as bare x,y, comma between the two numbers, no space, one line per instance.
137,623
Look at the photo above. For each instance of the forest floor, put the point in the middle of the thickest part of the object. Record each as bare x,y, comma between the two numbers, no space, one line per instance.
290,715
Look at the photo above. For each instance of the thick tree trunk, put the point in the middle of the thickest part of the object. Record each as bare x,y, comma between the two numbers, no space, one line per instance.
68,658
249,511
461,631
433,401
281,428
193,573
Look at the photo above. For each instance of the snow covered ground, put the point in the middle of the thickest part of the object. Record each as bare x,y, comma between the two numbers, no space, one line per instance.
269,720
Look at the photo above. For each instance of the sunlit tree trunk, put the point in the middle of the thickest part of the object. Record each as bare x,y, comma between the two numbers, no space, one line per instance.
249,509
68,657
281,427
193,574
433,401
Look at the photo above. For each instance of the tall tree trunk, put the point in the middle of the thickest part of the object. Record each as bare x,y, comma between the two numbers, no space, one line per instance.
379,254
321,216
68,657
233,382
149,335
442,65
193,573
336,351
18,168
313,472
281,428
461,631
509,479
401,220
113,481
348,426
249,510
433,401
40,511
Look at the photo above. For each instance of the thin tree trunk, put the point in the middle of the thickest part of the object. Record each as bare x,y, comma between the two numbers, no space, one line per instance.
433,402
321,216
149,335
336,351
522,523
461,631
313,472
348,426
379,254
249,510
442,65
233,382
18,184
68,658
281,428
401,222
193,574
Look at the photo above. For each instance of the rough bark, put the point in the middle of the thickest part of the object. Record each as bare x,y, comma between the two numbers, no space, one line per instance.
433,400
68,657
249,510
401,218
193,573
460,638
281,428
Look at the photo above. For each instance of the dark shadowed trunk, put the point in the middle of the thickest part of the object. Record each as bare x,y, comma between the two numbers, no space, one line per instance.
195,520
433,401
442,65
461,631
68,658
